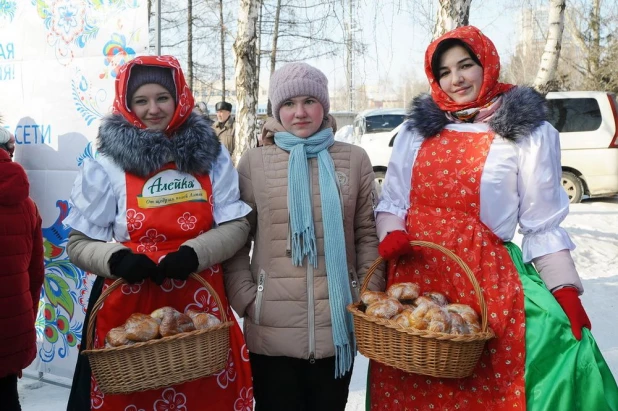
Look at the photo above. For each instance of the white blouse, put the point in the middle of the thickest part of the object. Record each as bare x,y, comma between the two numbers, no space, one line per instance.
99,198
521,183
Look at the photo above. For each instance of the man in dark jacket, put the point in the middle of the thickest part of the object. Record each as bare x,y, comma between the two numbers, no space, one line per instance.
224,126
21,273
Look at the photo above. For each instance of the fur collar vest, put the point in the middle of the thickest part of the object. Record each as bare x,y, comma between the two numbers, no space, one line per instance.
194,147
523,109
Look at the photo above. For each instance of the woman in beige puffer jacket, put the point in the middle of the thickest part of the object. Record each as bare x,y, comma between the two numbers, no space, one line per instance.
285,301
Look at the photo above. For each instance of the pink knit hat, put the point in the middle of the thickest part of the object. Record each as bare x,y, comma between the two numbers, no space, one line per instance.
297,79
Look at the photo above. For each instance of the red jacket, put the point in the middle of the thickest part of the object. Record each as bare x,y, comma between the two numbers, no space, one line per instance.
21,268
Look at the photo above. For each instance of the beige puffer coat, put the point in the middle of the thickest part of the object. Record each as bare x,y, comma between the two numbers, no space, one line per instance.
286,308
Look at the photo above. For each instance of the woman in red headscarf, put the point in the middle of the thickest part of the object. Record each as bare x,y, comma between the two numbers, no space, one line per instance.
475,159
163,187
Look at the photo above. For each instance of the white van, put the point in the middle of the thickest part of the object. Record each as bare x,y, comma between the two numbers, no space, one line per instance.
586,121
377,121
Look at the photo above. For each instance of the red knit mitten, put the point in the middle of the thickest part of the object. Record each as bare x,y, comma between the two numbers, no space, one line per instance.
568,298
395,244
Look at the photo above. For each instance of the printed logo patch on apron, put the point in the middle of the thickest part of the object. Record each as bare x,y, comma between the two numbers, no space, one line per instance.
171,187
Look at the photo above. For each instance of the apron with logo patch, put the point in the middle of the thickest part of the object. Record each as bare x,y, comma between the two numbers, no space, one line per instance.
163,211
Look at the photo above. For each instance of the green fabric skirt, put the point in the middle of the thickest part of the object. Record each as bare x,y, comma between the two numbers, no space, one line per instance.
561,372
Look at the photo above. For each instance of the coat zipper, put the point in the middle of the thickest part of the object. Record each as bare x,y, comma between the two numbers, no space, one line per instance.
258,297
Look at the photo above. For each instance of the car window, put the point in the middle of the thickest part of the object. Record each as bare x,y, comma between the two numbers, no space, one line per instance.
381,123
574,114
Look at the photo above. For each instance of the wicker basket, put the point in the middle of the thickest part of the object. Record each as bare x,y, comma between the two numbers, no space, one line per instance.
421,351
159,363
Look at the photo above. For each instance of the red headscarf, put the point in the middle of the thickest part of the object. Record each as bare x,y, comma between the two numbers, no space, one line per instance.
485,52
184,97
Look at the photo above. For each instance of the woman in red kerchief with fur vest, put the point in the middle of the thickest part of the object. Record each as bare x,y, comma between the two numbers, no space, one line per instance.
475,159
22,273
151,150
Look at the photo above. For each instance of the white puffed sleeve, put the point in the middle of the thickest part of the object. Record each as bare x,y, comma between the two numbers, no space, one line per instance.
92,201
543,204
395,196
226,195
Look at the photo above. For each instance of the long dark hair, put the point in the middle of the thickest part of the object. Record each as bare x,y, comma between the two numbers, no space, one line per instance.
442,48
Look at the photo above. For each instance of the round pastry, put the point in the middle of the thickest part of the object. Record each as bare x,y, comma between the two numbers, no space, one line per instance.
458,325
462,309
141,327
386,308
202,320
116,337
437,297
439,320
422,300
368,297
172,321
404,291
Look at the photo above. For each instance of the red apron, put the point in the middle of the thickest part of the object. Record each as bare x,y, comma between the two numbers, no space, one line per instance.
163,211
445,209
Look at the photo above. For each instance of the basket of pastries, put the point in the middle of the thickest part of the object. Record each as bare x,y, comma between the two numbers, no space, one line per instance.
422,334
159,349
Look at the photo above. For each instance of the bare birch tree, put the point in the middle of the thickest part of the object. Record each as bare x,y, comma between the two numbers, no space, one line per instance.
551,55
451,14
246,76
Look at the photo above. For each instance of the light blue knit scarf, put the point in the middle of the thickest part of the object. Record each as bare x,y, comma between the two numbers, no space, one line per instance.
303,233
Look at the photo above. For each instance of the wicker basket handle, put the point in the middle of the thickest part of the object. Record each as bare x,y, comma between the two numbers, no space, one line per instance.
119,282
452,256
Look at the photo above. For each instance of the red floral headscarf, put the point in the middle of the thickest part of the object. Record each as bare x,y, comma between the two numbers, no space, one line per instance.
485,52
184,97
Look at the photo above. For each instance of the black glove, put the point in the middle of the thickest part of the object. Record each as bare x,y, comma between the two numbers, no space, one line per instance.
178,264
131,267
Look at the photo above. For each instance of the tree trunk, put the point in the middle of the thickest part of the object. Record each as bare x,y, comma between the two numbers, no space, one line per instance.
190,43
222,50
451,14
273,52
551,54
595,31
245,74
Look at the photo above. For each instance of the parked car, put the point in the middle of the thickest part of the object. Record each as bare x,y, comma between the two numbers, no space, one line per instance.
587,122
377,121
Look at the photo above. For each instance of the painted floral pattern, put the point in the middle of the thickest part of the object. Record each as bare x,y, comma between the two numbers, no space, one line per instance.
445,210
148,242
134,220
171,401
187,222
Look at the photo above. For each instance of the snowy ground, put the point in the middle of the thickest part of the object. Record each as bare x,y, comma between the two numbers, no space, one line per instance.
593,225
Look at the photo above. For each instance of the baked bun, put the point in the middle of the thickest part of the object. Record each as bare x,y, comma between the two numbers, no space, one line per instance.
141,327
202,320
458,325
368,297
437,297
116,337
438,320
469,316
172,321
386,308
404,291
422,300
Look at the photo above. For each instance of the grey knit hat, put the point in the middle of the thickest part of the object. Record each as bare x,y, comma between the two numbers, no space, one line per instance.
141,75
297,79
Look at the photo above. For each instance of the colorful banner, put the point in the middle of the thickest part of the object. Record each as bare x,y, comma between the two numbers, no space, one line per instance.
58,62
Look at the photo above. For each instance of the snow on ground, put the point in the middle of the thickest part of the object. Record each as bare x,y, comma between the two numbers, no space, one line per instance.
593,226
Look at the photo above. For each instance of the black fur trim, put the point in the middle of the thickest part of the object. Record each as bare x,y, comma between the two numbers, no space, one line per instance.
522,110
194,147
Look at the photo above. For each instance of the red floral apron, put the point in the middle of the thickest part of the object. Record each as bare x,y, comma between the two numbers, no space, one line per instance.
445,209
163,211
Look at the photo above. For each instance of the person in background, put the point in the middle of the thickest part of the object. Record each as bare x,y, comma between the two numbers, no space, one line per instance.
202,109
314,238
475,159
224,126
159,201
22,273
